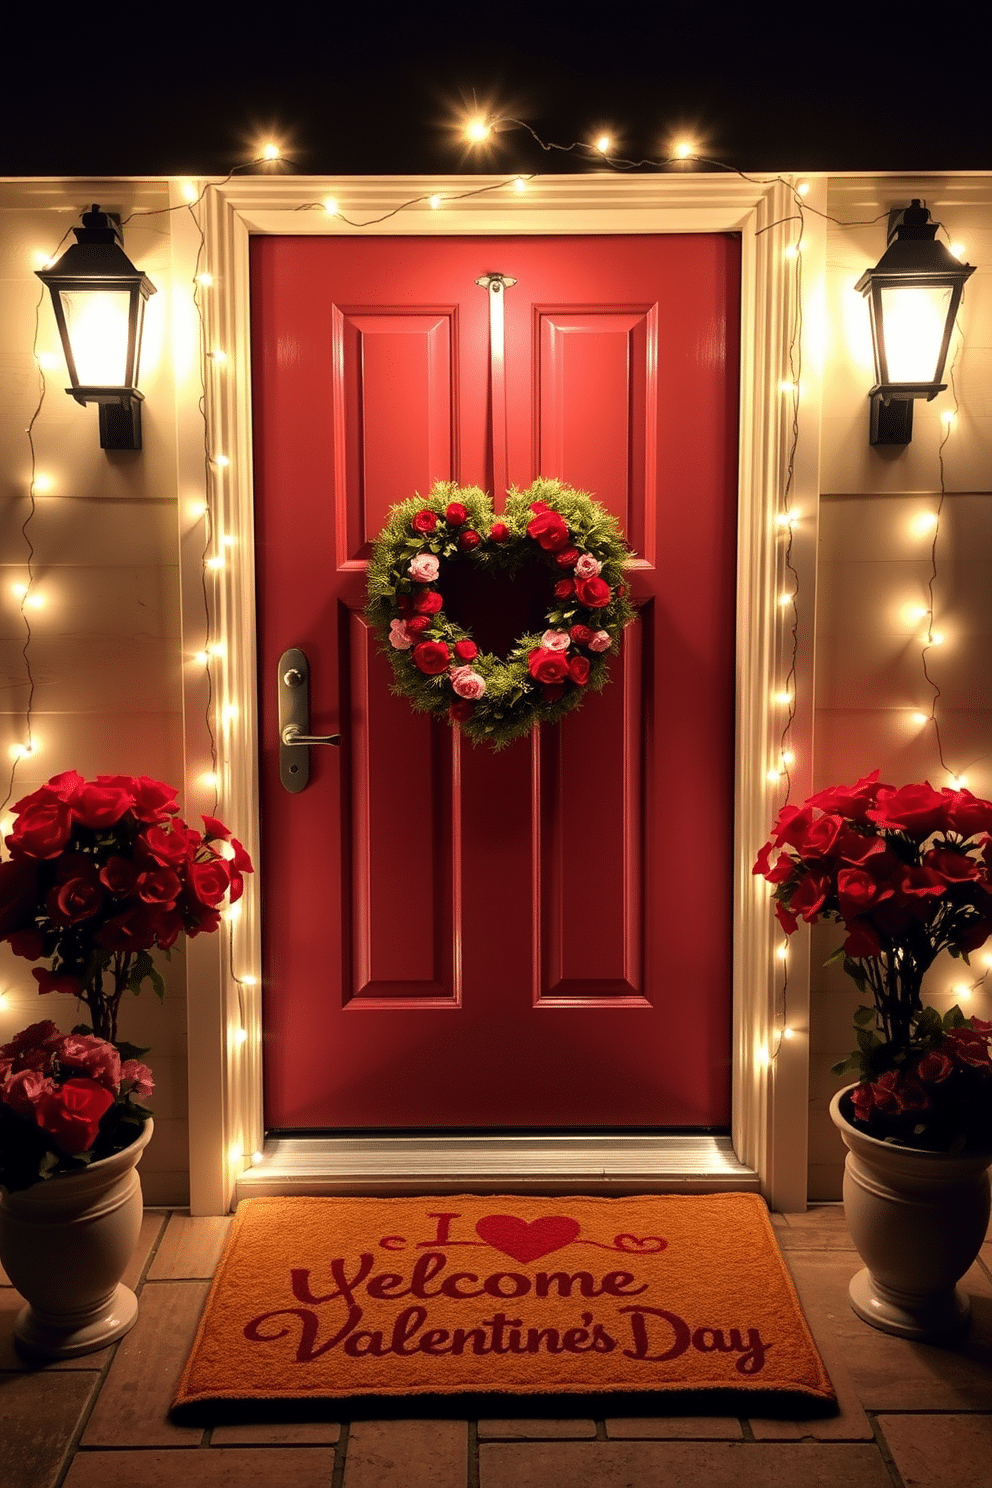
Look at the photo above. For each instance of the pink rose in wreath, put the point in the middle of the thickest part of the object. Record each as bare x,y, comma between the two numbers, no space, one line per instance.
587,567
468,684
556,640
424,568
600,641
399,636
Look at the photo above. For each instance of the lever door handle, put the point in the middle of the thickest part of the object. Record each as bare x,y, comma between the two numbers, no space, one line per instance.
292,734
295,737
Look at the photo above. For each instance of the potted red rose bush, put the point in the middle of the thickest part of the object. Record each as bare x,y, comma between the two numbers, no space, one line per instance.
907,871
100,874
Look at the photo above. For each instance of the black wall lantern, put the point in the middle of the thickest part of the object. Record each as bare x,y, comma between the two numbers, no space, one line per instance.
99,299
913,294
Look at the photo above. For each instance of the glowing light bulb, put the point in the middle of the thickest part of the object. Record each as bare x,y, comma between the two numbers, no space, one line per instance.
958,782
202,657
924,523
217,355
233,913
785,599
229,712
783,699
788,1033
790,251
434,202
520,184
241,1035
782,951
684,150
249,981
774,776
210,779
788,387
42,484
913,614
24,751
216,561
188,191
762,1057
958,249
603,143
986,958
42,260
920,719
477,130
936,638
222,460
34,602
228,541
787,518
256,1158
204,280
788,758
236,1153
197,509
19,589
330,206
217,648
803,189
948,417
48,361
271,151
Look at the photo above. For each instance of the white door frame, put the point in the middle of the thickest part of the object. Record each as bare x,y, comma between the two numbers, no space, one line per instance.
779,431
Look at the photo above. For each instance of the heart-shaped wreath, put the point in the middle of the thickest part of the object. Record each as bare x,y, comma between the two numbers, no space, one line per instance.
437,664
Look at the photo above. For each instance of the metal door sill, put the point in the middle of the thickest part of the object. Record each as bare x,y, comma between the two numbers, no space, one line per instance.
391,1165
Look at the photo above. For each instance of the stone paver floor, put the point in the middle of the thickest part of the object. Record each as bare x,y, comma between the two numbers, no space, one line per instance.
912,1415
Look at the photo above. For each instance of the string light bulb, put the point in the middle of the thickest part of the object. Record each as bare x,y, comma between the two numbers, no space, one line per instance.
330,206
788,1033
684,150
802,189
477,130
783,699
271,151
603,143
520,184
222,460
948,418
241,1036
188,191
210,779
790,251
962,992
204,280
215,561
249,981
217,356
920,719
434,202
924,523
42,484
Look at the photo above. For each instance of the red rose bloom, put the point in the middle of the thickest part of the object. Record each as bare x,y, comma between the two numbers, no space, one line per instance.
564,589
417,624
594,593
424,521
567,557
77,899
547,666
42,831
119,875
456,514
466,650
216,828
917,809
578,670
539,506
468,540
968,814
581,634
169,848
151,800
499,532
161,886
71,1113
461,711
548,530
428,602
208,882
101,805
431,657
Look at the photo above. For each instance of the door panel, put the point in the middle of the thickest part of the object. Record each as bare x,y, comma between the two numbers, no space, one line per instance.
539,938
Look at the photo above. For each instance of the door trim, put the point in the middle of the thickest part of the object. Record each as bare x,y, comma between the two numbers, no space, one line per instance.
770,1075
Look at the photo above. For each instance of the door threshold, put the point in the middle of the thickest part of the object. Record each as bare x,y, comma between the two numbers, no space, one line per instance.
546,1164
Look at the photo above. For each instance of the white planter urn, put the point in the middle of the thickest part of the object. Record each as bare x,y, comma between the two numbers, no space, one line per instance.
918,1220
65,1244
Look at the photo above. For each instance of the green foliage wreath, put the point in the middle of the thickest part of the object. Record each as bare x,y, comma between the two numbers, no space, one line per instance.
545,675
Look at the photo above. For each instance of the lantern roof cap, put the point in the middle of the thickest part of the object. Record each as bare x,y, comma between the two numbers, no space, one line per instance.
913,250
98,256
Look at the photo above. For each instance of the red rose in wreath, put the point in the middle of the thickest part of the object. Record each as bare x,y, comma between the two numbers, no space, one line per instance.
593,593
431,657
547,666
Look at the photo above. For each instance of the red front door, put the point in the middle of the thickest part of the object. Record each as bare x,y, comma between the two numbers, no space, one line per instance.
538,938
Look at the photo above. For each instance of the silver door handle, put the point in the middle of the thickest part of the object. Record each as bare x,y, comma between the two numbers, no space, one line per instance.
292,734
295,737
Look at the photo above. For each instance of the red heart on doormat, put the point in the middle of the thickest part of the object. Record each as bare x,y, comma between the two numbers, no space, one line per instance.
526,1241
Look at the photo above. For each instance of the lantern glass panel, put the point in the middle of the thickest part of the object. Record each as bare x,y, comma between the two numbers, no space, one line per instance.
913,317
97,323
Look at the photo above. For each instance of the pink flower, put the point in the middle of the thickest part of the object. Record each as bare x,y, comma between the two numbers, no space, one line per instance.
94,1057
587,567
467,684
399,637
600,641
556,640
424,568
141,1075
21,1090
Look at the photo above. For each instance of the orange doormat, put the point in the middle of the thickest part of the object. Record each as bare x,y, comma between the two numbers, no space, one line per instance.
324,1298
